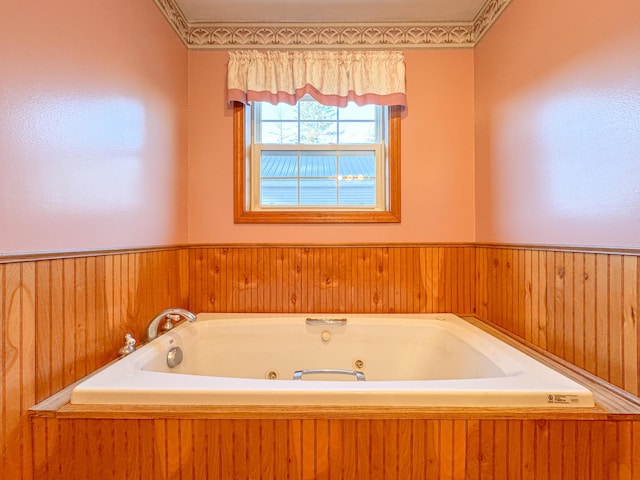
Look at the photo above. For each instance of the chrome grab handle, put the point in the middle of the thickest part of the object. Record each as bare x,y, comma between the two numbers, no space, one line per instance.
297,375
326,321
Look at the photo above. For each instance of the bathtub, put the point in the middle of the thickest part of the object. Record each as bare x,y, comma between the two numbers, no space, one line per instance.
333,360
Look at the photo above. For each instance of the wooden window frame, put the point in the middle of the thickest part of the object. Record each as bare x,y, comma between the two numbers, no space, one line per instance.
241,148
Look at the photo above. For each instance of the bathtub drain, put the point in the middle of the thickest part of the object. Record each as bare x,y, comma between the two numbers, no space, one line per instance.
272,375
174,357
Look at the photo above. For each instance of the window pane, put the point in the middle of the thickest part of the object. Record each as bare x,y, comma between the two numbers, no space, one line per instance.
314,192
312,110
354,112
284,133
318,164
282,111
279,164
279,191
357,192
357,164
318,133
357,132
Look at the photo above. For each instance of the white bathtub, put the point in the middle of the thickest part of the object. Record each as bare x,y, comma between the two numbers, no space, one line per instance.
407,360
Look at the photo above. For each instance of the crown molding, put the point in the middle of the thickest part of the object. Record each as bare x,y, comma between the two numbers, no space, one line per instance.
176,18
487,16
343,36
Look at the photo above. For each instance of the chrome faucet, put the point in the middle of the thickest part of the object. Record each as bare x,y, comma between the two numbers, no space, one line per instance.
152,328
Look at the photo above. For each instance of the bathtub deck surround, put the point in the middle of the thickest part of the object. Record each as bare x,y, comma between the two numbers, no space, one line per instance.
312,442
437,360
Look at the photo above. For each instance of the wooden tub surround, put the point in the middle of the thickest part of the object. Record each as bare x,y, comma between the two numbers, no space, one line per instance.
63,316
260,442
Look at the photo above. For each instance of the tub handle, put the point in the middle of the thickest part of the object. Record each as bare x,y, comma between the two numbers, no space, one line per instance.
297,375
326,321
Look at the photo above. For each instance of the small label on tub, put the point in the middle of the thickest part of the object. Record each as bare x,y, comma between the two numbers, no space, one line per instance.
564,399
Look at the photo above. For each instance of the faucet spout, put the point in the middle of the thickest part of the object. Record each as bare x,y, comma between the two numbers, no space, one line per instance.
152,328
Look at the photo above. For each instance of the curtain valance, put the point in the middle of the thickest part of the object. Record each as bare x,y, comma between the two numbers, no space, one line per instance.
332,78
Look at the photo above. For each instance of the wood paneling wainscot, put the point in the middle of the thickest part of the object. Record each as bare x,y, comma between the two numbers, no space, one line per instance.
580,305
64,316
357,279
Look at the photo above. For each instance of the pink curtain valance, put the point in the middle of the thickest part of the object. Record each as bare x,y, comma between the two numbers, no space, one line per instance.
332,78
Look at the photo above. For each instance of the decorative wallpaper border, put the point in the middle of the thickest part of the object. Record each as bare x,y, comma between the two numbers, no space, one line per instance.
345,36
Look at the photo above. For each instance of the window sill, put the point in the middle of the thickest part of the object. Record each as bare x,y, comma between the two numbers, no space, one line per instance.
317,217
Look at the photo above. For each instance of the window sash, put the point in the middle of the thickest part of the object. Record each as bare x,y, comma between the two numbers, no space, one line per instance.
256,177
258,147
379,121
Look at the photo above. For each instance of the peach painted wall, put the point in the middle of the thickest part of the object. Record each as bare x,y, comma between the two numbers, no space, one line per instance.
437,159
92,126
558,124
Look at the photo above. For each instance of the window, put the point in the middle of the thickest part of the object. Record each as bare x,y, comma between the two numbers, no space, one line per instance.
310,163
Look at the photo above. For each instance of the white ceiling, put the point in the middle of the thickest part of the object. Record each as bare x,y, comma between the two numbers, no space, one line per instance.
329,11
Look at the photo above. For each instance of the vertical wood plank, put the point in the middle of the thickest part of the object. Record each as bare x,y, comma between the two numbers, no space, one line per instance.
459,447
43,360
569,447
528,296
405,455
557,456
602,316
336,451
364,461
615,352
262,449
308,449
481,283
376,445
558,300
473,456
630,330
12,367
542,449
597,451
514,447
187,466
579,316
567,307
321,444
350,449
446,448
215,463
200,445
501,437
583,457
432,453
388,431
418,447
40,453
292,431
55,290
590,316
27,361
611,450
624,448
529,450
487,448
